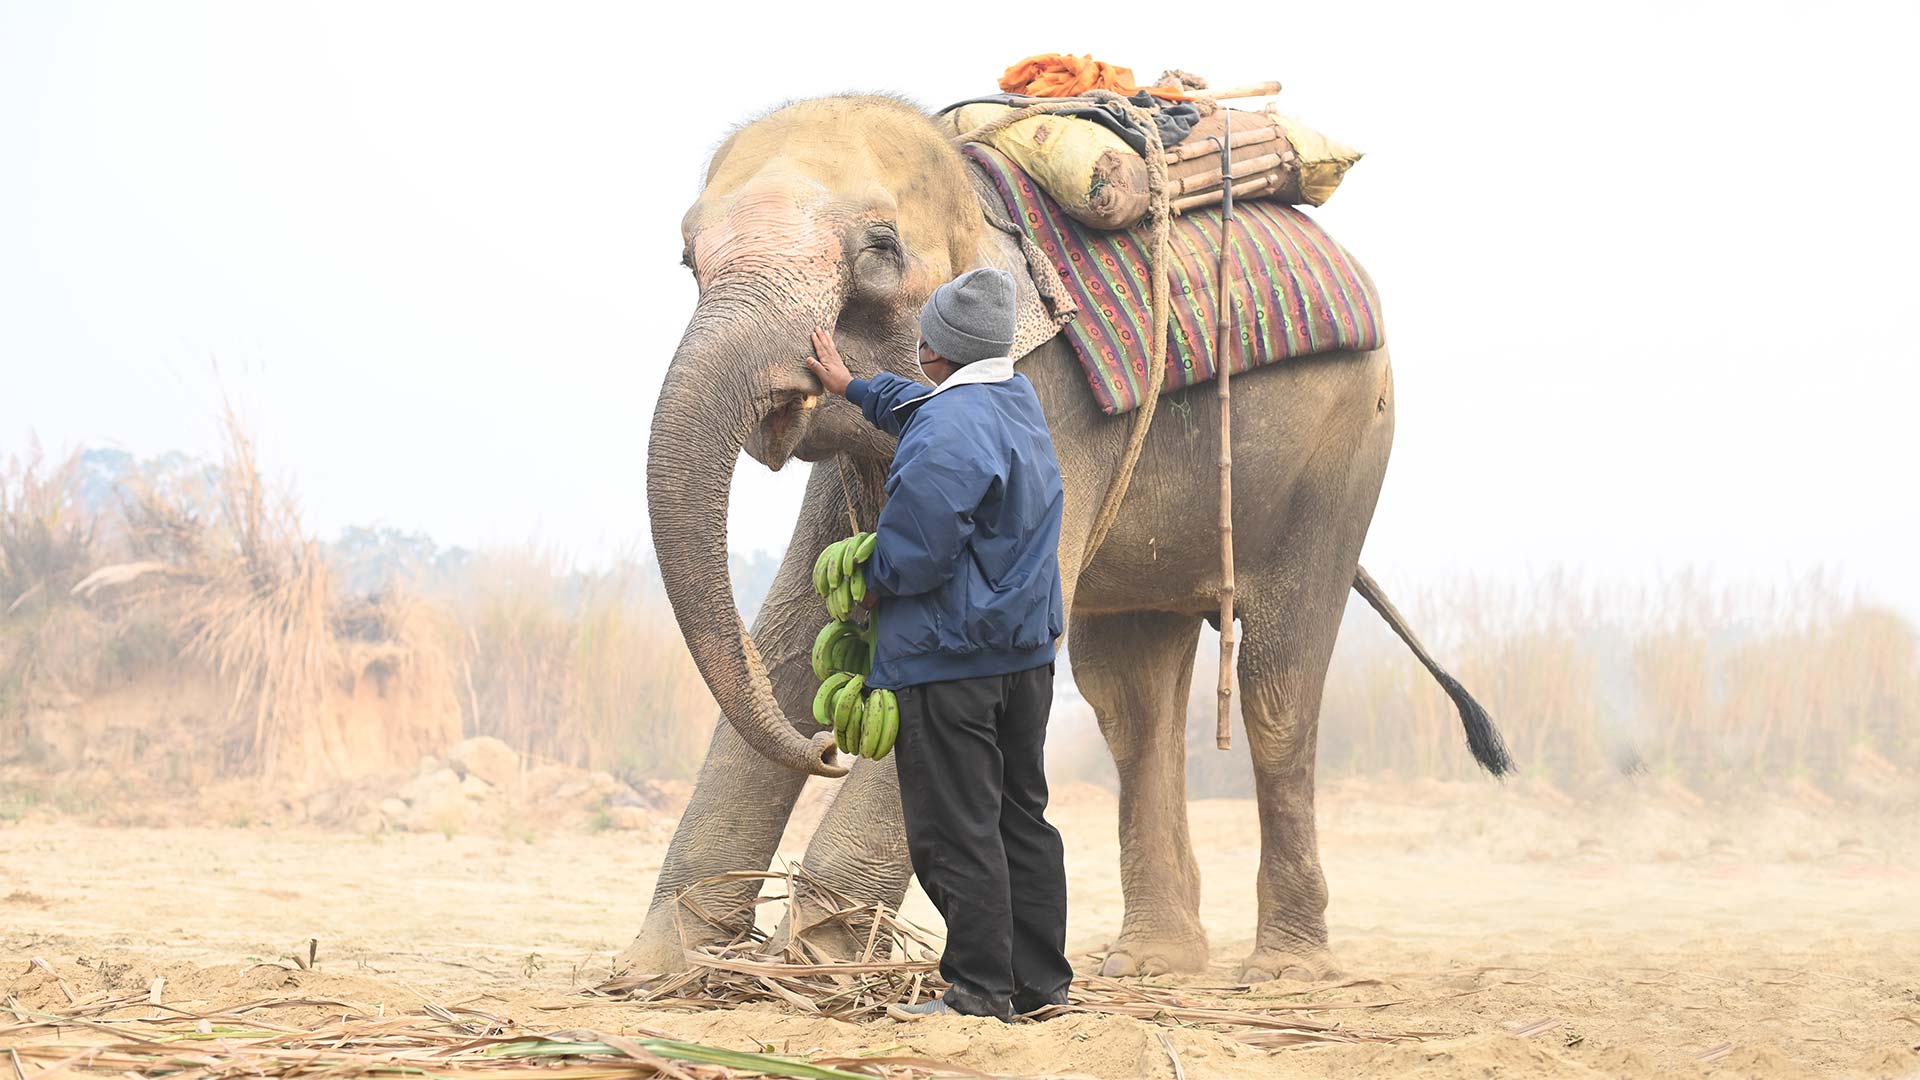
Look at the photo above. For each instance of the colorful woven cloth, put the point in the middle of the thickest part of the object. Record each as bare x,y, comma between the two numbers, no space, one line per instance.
1295,292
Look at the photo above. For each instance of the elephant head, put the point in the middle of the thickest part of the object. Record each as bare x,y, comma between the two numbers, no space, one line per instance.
840,213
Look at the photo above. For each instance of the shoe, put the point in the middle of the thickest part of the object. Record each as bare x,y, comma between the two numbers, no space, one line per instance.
910,1013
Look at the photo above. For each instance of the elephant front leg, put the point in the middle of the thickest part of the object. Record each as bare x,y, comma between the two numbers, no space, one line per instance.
734,821
742,800
859,852
1281,688
1135,670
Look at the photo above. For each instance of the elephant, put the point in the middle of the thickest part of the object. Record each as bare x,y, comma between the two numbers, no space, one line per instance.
845,213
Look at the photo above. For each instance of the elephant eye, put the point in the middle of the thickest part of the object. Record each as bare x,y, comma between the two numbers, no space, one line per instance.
884,241
686,257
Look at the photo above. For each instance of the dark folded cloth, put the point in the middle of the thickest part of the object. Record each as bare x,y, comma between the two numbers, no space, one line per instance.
1174,119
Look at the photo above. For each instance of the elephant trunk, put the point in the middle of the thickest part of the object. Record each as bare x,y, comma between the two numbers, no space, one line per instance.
709,404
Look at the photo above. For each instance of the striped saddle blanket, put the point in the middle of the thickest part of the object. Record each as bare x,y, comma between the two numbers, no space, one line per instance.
1295,292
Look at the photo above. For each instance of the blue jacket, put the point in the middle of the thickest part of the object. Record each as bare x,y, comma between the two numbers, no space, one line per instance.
966,558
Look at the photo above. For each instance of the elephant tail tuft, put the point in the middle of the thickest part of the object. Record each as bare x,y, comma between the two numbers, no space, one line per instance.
1483,738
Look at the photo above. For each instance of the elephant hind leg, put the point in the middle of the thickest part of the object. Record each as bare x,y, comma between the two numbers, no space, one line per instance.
1282,669
1135,669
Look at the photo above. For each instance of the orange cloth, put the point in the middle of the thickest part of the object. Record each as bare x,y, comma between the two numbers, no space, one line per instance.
1065,75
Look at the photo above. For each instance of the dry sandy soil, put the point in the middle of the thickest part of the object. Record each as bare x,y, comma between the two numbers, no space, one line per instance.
1647,930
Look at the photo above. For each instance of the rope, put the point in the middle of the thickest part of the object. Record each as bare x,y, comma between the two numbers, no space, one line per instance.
1161,215
846,492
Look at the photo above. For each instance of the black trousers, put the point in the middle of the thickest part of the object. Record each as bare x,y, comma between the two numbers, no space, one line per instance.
973,786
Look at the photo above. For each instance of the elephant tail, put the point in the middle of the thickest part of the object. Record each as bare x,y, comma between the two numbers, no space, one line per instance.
1489,749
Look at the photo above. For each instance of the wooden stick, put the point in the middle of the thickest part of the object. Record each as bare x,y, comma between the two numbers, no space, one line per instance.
1223,730
1265,89
1253,167
1243,189
1194,148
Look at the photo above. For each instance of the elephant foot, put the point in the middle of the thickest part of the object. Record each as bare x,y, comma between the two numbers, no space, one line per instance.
1266,965
838,940
1140,955
651,953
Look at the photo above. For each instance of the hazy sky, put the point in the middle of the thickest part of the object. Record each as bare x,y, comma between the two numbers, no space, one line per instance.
1646,268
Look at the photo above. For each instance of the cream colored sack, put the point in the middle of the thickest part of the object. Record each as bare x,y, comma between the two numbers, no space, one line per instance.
1323,161
1091,172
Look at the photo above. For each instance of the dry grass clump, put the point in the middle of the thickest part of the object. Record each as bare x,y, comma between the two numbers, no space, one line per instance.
900,965
161,1040
257,608
211,571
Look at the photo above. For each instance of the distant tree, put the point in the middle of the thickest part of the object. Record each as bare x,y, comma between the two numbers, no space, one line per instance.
372,558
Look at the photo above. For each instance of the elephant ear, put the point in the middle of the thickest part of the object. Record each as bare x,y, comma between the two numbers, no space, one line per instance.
941,225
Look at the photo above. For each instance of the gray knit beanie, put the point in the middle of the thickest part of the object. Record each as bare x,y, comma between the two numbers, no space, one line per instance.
971,317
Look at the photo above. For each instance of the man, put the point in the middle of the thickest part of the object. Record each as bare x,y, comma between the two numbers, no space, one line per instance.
967,584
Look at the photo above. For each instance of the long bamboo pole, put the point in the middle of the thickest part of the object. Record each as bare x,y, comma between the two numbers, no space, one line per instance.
1223,363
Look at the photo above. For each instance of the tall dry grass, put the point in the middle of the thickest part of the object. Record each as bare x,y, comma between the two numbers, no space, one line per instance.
1713,685
44,548
586,667
258,610
202,571
46,545
190,569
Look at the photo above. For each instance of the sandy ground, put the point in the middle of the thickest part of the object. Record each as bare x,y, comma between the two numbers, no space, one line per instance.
1646,929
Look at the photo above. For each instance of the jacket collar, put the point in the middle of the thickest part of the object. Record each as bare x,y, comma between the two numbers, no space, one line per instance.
994,369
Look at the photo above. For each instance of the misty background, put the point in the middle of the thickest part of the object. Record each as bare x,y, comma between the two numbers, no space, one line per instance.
1645,266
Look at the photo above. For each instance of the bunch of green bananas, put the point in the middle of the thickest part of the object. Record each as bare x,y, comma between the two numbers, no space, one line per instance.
864,724
843,646
837,573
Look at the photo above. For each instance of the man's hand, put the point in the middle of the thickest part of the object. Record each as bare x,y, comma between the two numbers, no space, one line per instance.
826,365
